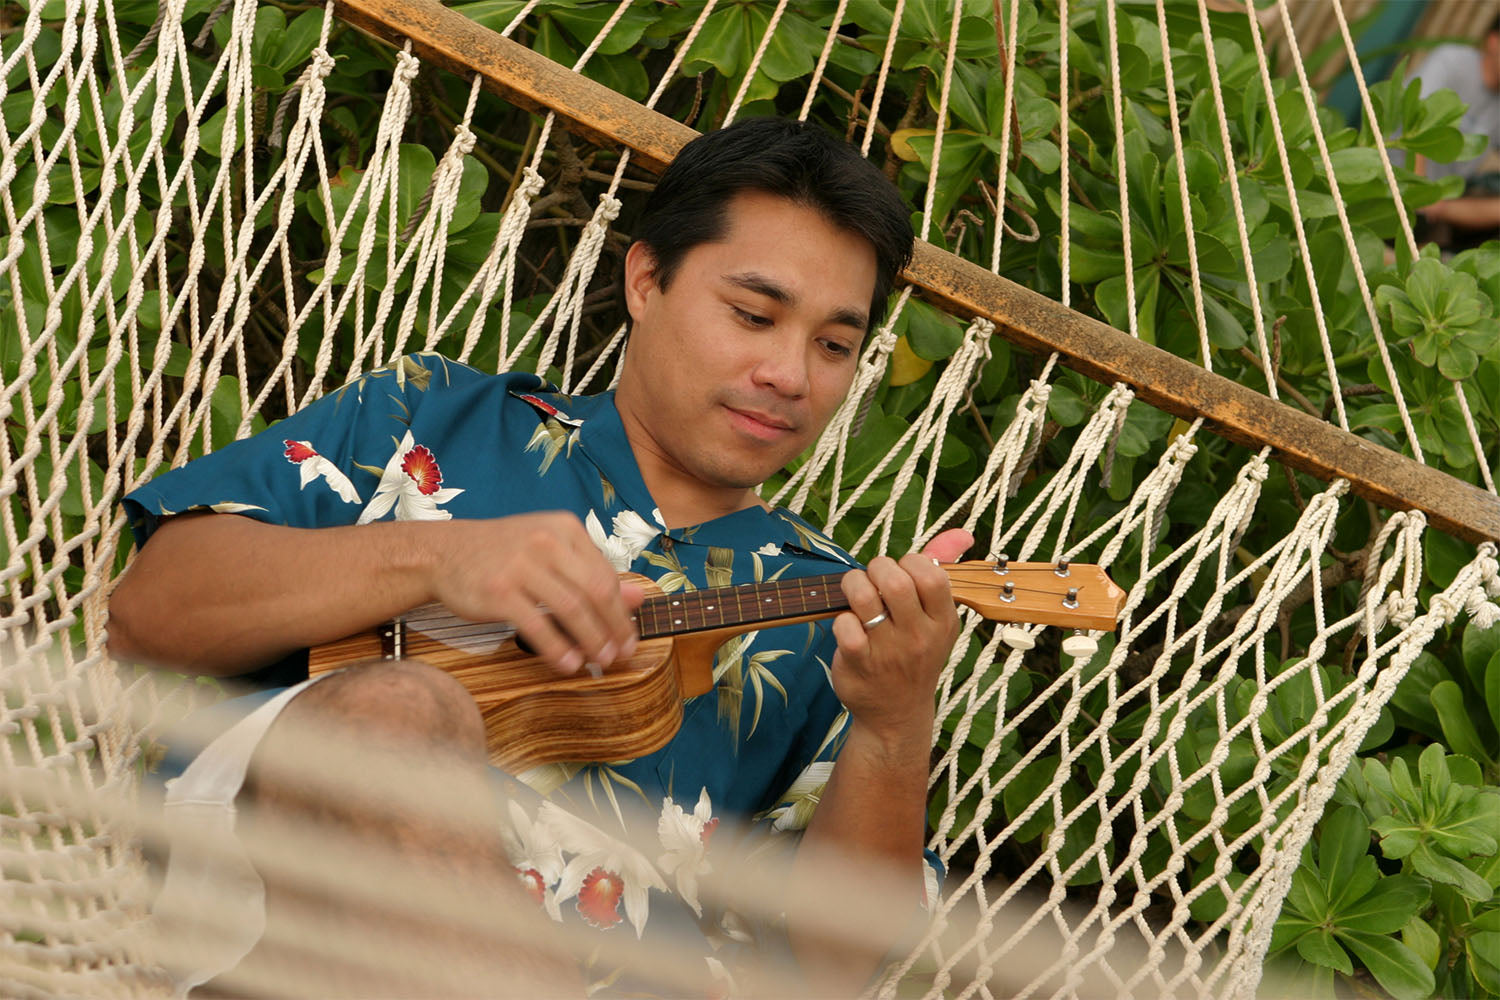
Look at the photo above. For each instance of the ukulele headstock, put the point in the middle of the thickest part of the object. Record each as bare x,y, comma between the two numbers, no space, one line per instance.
1069,595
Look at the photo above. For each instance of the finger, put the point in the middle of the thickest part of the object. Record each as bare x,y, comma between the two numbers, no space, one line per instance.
932,585
897,591
853,641
586,608
862,595
607,601
541,634
949,545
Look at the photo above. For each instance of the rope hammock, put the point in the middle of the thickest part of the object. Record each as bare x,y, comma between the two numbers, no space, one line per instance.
135,347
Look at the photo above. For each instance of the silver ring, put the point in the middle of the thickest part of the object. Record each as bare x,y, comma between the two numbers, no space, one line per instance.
875,621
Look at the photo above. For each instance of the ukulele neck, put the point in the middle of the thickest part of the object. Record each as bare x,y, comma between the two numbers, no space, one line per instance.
732,607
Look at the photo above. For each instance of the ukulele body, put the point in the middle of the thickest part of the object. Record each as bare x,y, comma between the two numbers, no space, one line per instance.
533,715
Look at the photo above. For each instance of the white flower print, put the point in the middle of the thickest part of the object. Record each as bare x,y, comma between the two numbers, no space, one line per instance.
630,537
685,837
533,850
930,888
601,873
411,483
769,549
312,465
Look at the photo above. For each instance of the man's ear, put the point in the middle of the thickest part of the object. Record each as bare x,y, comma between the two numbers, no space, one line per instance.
640,278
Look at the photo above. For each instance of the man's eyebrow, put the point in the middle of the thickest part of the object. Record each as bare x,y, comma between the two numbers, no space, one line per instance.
777,292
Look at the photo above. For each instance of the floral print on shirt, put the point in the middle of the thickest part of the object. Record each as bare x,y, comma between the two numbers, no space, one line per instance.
429,439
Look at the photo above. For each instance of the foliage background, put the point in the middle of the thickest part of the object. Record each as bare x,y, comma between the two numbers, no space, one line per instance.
1397,894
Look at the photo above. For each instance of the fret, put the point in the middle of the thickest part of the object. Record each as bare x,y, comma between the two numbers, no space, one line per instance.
746,604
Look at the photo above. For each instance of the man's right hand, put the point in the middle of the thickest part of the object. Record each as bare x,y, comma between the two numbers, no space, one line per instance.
543,574
222,594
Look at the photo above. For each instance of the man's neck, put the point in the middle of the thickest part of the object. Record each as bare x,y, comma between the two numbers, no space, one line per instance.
683,499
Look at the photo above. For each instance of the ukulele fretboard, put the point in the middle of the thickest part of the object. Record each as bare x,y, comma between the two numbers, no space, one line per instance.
720,607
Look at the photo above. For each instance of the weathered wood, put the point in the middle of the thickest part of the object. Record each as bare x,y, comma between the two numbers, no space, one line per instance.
446,38
1026,318
1037,323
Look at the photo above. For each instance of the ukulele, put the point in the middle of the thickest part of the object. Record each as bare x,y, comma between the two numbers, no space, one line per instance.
535,716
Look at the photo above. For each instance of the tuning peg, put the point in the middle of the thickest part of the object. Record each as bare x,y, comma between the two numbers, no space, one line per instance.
1017,637
1080,646
1002,564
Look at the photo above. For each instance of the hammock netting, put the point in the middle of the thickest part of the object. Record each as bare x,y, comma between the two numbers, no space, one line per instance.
1141,808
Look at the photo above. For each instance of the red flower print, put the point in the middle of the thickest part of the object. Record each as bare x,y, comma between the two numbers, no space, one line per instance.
599,898
708,830
298,451
422,467
531,884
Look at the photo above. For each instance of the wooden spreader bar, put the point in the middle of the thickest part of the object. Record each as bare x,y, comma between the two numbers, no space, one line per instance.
1032,321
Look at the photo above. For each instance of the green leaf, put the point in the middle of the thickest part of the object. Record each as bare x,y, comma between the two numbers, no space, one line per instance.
1432,767
1343,840
1395,966
415,166
1024,789
1479,647
1492,688
1388,907
932,333
471,187
1419,936
1066,406
720,44
1224,328
1356,164
300,39
1451,872
1444,557
1483,951
1453,715
1320,948
1087,266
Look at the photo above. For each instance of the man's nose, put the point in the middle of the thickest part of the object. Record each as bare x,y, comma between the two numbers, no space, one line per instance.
783,367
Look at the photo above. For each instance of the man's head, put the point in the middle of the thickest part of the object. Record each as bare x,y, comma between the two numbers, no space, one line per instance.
766,256
793,160
1489,50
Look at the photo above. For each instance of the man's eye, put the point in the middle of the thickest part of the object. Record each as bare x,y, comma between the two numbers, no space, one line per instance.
750,318
837,349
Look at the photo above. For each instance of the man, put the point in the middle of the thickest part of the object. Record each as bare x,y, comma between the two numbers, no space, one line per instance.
766,254
1474,74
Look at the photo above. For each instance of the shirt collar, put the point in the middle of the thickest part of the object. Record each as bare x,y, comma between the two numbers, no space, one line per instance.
601,438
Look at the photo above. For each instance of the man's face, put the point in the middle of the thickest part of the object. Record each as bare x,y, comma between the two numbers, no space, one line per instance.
737,366
1490,63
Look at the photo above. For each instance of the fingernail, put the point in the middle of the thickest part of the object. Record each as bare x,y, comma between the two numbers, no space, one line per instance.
608,652
628,650
571,661
595,671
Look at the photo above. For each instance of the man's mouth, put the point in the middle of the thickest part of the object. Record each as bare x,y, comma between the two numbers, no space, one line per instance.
765,426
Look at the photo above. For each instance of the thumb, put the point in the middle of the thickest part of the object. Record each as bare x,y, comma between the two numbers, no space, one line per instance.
949,545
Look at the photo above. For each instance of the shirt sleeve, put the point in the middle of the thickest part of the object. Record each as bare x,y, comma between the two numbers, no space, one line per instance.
308,470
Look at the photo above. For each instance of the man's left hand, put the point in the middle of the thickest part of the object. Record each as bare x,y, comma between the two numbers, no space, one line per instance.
886,668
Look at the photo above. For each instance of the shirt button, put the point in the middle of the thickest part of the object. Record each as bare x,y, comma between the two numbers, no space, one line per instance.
666,543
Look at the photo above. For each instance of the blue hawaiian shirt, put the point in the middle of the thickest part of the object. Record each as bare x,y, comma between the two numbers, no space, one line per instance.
428,438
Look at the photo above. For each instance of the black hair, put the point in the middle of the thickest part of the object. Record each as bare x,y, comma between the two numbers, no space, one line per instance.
788,158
